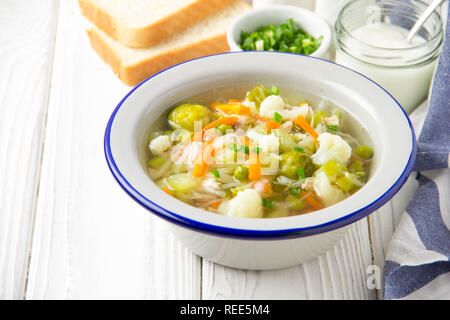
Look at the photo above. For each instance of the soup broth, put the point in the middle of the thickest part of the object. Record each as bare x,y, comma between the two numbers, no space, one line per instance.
257,152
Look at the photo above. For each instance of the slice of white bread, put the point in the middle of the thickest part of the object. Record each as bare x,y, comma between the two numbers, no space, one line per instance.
204,38
143,23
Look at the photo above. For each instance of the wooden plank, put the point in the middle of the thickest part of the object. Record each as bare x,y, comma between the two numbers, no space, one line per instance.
339,274
91,240
26,49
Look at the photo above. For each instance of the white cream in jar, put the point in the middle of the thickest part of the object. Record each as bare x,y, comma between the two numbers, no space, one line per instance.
380,51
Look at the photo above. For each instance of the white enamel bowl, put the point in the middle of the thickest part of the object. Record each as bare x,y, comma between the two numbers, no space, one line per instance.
261,243
278,14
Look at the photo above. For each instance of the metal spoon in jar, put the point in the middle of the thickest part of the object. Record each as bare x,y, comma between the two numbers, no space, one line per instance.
423,18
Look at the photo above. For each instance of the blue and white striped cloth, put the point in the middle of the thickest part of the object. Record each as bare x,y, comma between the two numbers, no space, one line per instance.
417,262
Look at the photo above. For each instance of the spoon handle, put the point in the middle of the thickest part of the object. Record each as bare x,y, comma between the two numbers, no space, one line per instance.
423,18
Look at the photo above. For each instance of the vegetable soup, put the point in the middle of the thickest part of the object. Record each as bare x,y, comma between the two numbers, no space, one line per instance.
258,152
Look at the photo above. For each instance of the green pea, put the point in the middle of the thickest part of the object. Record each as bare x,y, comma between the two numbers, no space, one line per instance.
241,173
364,152
156,163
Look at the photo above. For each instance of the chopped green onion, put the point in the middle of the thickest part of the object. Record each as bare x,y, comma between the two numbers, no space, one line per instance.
300,173
275,90
333,128
286,37
216,173
256,150
259,45
277,117
299,149
268,203
295,191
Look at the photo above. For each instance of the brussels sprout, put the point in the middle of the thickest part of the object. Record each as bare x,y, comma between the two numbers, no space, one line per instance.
182,182
292,160
287,142
181,135
241,173
185,115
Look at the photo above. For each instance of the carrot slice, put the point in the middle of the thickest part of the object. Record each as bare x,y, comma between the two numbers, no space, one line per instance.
201,162
312,202
270,124
301,122
263,186
215,205
232,108
167,190
199,169
225,120
198,136
235,100
254,164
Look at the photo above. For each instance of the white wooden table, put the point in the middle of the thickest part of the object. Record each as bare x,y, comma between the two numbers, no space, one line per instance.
68,231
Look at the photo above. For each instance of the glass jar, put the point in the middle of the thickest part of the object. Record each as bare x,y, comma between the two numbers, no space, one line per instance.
370,37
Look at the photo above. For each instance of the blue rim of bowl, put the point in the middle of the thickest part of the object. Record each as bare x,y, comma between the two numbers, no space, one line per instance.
247,233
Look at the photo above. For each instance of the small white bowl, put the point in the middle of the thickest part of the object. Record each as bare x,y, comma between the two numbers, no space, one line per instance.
278,14
261,243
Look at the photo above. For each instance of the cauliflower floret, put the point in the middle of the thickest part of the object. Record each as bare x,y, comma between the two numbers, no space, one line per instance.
270,105
267,142
328,193
160,145
293,113
225,140
247,204
331,147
